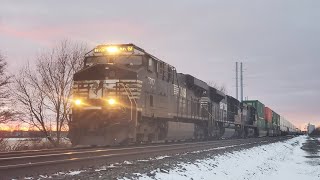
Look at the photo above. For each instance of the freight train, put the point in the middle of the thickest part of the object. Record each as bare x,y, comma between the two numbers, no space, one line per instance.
125,95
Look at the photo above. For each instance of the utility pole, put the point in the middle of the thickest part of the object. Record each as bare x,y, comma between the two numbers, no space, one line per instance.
237,81
242,131
241,82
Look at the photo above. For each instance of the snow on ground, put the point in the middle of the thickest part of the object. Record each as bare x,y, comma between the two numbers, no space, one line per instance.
72,173
281,160
161,157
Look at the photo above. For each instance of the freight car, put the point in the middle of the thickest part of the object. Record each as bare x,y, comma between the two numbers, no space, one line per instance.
261,123
125,95
287,128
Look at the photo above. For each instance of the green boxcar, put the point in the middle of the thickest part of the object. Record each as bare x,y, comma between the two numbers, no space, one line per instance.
276,122
261,123
275,119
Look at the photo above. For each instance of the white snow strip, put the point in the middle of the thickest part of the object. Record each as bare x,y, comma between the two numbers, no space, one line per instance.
281,160
154,159
72,173
127,162
44,176
111,166
161,157
59,173
125,178
103,168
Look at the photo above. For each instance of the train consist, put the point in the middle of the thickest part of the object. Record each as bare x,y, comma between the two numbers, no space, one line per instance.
125,95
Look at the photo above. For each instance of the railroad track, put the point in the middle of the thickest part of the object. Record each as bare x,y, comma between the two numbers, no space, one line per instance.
21,164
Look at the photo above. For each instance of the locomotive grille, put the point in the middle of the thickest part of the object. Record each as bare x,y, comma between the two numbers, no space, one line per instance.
104,88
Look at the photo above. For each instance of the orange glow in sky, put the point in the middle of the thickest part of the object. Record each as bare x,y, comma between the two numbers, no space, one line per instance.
13,127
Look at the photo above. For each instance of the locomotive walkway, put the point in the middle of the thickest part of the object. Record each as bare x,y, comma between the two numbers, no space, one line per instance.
30,163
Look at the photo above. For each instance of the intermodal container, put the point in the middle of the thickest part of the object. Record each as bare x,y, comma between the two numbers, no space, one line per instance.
268,114
262,124
275,119
259,106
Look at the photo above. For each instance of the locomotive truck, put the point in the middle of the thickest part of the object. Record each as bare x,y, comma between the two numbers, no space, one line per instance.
125,95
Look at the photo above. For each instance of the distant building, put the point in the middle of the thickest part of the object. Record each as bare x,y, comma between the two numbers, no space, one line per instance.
310,128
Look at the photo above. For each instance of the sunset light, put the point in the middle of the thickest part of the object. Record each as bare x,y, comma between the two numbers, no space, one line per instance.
14,127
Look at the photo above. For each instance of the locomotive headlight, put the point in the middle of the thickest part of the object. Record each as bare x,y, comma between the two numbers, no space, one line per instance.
112,49
112,101
78,102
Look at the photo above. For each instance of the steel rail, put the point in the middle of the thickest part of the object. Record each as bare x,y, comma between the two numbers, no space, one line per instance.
76,154
88,149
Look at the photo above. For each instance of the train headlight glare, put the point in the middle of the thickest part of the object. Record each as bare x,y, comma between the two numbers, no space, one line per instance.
112,49
78,102
112,101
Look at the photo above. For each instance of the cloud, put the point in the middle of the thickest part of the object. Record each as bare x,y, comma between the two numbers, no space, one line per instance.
278,41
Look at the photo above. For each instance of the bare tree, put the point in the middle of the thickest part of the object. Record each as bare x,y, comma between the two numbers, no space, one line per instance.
44,91
221,88
5,112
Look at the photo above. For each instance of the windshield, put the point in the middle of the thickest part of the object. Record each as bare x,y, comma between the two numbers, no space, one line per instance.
123,60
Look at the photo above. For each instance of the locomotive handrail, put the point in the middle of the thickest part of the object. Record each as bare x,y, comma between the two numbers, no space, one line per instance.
135,102
178,103
128,94
129,100
209,113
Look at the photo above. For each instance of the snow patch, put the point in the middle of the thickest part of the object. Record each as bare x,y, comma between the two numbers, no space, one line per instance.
154,159
72,173
103,168
59,173
281,160
127,162
111,166
44,176
161,157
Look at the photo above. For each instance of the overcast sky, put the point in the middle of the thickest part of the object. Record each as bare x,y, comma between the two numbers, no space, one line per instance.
278,41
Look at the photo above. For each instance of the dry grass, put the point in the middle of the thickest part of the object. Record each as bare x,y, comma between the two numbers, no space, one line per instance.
3,144
29,144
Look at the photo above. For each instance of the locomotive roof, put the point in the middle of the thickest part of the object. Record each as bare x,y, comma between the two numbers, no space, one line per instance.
128,49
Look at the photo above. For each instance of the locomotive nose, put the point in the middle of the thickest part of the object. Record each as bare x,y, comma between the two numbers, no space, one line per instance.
105,71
